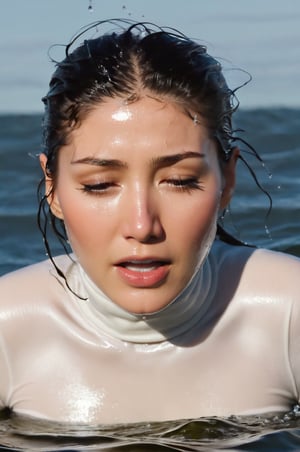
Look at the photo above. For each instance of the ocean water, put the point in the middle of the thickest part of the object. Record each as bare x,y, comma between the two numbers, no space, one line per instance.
275,134
252,434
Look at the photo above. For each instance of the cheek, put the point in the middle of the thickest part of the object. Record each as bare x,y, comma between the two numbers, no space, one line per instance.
202,220
198,221
86,224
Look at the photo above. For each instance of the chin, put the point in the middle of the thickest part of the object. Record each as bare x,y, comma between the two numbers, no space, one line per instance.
143,307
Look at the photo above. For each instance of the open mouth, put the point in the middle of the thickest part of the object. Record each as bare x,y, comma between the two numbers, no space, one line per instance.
142,266
143,273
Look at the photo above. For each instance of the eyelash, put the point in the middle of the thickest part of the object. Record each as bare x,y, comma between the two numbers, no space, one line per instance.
183,185
96,188
186,185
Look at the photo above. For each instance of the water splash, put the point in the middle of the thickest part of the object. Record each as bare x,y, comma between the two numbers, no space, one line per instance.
124,7
268,232
267,169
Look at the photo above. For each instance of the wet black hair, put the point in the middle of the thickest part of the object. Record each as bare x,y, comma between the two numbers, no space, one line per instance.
136,59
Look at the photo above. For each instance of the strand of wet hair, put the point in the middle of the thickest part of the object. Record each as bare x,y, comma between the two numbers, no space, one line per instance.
226,237
254,153
44,211
149,28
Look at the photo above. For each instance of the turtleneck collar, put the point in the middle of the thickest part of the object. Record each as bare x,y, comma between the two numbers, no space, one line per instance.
177,318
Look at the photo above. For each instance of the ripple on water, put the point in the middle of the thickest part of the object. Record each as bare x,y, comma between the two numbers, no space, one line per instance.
249,433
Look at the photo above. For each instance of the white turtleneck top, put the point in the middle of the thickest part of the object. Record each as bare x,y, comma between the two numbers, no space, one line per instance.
228,344
179,317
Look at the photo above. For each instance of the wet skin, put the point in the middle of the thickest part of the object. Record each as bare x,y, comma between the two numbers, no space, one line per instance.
139,188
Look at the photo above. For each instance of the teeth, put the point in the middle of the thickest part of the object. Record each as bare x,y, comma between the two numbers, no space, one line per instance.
139,268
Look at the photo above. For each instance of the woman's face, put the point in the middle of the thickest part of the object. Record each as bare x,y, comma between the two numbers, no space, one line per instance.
139,188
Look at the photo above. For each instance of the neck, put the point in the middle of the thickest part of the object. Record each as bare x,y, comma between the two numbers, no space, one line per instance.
173,321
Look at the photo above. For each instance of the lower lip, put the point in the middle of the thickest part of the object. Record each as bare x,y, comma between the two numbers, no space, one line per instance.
149,278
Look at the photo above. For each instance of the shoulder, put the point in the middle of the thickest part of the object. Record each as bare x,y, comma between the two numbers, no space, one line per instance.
260,290
41,269
258,272
257,258
33,283
278,269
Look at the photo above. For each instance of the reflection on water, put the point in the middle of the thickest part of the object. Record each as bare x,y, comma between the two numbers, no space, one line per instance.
276,433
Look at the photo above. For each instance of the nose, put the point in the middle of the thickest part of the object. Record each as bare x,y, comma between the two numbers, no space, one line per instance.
142,219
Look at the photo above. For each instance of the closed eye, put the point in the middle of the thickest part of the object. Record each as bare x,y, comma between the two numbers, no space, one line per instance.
188,184
98,188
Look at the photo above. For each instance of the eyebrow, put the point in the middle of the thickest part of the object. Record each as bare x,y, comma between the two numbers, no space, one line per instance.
112,163
169,160
157,162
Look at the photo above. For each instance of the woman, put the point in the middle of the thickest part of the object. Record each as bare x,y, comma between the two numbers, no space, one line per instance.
158,314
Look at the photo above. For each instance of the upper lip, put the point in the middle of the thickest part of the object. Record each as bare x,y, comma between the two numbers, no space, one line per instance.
143,260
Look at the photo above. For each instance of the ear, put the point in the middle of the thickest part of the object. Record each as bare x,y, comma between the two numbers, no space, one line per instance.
229,178
50,189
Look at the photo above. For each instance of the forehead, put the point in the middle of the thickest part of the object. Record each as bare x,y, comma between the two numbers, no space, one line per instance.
136,133
143,119
121,109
